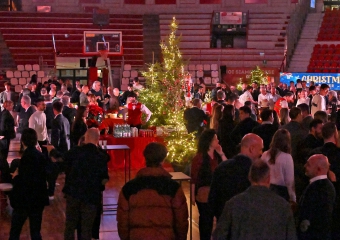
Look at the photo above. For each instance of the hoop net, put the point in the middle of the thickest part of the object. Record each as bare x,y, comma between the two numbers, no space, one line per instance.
104,53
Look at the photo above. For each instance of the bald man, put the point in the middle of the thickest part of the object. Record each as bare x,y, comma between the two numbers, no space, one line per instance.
231,176
86,175
112,102
317,203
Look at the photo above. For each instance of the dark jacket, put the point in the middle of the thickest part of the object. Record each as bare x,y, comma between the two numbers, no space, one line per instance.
60,136
229,178
332,152
113,103
152,206
78,130
266,132
7,125
297,135
24,116
244,127
49,115
315,211
29,186
194,118
225,127
69,113
85,169
256,213
75,98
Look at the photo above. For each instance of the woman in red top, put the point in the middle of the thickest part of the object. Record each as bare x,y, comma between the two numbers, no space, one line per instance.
209,155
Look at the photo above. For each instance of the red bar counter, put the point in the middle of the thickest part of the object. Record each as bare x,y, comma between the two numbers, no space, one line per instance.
137,146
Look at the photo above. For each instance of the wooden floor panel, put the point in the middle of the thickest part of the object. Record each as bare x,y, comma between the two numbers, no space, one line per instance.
54,214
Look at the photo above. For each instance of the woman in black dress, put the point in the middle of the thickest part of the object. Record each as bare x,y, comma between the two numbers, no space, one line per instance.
79,126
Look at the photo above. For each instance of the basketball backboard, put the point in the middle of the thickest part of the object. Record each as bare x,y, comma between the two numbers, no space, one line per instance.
94,41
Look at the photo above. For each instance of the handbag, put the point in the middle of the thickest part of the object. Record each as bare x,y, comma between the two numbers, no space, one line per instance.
203,194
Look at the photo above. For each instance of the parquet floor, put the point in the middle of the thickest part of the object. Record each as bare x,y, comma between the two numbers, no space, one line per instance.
54,214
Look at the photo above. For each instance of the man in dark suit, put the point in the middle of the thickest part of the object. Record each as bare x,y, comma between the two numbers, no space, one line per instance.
266,130
317,203
75,97
29,195
6,130
199,94
60,136
330,149
245,126
269,218
231,177
68,112
297,132
25,113
86,175
60,139
194,117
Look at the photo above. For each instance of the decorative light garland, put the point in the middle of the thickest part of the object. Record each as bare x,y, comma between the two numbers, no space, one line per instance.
164,96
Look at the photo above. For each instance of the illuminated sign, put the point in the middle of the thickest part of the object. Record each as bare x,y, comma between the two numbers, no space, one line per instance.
230,18
332,79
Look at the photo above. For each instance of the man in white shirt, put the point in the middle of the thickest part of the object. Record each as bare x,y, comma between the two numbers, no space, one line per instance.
303,97
319,102
273,97
263,98
37,121
246,96
136,85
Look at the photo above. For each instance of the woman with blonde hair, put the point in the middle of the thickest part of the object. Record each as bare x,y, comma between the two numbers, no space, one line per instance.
281,165
92,99
216,116
284,116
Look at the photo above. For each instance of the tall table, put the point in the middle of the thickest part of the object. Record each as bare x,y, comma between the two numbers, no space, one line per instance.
126,149
179,176
136,145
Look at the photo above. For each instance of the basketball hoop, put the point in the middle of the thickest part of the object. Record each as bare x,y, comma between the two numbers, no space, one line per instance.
104,53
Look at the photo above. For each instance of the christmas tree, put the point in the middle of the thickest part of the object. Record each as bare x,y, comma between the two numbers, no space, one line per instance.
258,76
164,96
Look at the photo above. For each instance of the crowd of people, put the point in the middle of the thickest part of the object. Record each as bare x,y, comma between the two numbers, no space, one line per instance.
270,166
51,120
267,164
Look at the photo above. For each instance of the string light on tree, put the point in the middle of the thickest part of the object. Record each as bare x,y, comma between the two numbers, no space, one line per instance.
164,95
258,76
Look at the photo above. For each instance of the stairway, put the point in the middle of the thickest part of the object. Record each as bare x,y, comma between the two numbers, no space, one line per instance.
266,30
304,48
6,60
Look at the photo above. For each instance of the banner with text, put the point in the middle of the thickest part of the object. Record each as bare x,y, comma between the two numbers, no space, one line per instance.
234,74
332,79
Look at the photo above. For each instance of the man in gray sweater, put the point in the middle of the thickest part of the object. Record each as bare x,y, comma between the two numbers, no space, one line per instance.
257,213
